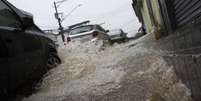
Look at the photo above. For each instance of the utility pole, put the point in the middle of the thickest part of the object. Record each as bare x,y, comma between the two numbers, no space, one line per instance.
61,31
59,19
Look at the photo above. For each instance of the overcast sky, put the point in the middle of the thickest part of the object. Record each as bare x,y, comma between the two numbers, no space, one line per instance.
114,13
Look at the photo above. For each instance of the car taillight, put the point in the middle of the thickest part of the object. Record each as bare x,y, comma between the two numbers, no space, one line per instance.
68,39
95,34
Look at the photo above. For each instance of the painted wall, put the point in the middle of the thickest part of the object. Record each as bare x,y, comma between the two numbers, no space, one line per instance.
151,17
156,14
146,17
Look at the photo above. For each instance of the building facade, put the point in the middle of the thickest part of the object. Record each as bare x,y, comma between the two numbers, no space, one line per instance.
176,24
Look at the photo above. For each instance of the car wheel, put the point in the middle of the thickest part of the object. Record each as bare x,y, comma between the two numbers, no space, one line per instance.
53,60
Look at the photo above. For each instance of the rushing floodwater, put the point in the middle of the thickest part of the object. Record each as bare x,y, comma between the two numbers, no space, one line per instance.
123,72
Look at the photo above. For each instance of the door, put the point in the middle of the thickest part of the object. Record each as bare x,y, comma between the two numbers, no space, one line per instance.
8,45
3,66
183,12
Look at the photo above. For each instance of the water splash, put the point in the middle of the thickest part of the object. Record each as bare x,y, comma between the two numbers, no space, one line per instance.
124,72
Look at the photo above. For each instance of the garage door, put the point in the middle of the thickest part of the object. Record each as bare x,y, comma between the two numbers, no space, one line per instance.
183,12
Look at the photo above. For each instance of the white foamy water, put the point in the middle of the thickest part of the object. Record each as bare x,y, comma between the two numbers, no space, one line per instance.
123,72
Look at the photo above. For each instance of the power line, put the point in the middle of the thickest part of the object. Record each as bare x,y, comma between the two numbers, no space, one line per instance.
103,16
71,12
118,10
59,21
59,3
126,24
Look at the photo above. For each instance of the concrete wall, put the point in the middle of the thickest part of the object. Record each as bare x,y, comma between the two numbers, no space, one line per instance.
186,44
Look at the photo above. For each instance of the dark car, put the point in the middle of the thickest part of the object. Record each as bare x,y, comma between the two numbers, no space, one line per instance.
117,35
25,51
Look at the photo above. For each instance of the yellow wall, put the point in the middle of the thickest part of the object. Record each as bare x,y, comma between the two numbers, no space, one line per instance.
155,27
156,13
146,17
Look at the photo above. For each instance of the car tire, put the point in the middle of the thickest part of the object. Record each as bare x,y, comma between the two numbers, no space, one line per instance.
53,60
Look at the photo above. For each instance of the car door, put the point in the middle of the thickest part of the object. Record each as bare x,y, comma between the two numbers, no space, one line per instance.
8,23
22,48
3,65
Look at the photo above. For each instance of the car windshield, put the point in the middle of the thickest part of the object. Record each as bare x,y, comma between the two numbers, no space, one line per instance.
81,30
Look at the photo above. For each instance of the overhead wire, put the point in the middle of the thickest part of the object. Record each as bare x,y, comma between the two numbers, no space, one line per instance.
118,10
127,23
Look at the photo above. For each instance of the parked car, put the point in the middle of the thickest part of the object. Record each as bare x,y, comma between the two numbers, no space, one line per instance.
85,33
25,51
117,35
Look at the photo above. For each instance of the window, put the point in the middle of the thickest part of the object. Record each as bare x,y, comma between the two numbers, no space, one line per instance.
81,30
7,16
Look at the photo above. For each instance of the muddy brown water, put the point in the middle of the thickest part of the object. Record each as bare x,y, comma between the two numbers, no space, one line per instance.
123,72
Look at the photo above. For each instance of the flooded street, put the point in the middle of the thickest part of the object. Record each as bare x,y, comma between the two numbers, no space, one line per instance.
157,56
123,72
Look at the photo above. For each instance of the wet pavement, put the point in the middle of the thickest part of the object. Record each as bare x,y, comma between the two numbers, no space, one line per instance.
122,72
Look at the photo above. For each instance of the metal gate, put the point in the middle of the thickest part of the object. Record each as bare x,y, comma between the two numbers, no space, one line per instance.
183,12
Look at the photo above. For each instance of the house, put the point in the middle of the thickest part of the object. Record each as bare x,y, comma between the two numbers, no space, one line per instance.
163,17
176,24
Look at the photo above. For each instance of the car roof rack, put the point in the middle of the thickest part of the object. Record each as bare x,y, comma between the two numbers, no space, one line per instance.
79,24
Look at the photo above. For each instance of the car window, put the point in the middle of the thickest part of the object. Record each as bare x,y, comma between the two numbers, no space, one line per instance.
81,30
7,16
